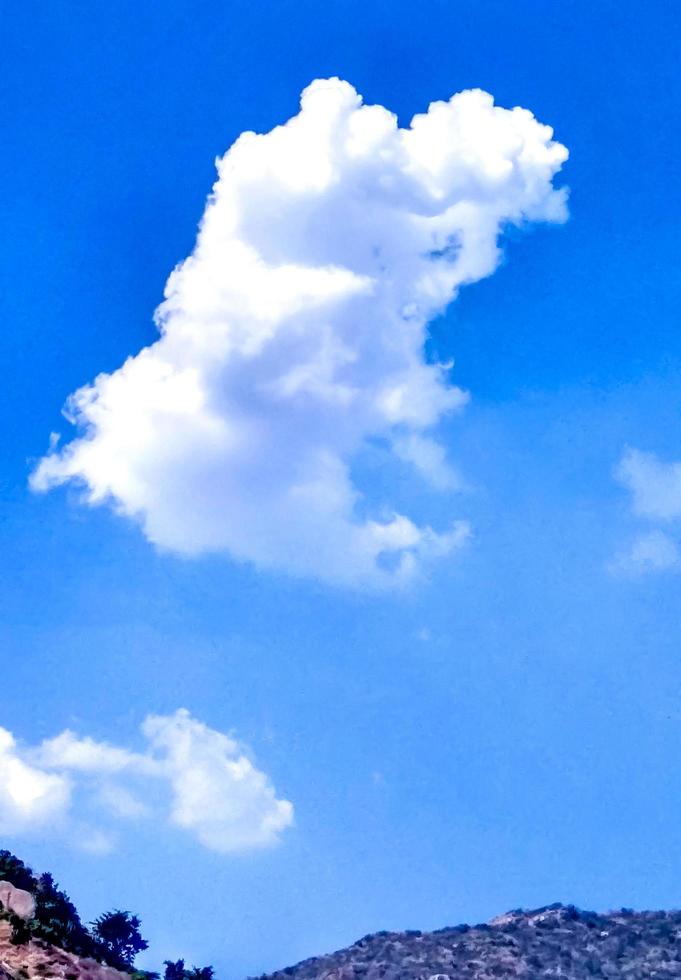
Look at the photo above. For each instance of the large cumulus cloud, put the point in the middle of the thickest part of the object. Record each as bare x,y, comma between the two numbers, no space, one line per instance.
294,334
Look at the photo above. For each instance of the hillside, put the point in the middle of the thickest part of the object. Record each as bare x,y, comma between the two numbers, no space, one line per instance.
43,938
556,941
42,935
38,960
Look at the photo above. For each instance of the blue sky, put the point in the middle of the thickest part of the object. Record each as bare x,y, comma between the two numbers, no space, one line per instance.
504,731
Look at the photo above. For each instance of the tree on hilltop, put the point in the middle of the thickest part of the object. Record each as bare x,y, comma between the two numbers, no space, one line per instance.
118,932
176,970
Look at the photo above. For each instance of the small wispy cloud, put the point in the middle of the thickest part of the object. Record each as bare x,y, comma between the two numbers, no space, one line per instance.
652,551
655,485
655,488
294,333
190,776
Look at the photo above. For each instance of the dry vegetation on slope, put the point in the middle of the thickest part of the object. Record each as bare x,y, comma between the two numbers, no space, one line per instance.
556,941
38,960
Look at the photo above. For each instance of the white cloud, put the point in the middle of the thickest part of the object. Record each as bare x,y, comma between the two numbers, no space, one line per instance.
655,488
653,551
430,458
94,841
654,484
190,775
29,796
122,802
216,790
68,751
295,331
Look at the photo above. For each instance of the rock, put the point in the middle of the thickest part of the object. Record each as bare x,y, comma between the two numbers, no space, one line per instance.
16,900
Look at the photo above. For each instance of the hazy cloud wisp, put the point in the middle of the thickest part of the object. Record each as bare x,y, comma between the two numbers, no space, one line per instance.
655,488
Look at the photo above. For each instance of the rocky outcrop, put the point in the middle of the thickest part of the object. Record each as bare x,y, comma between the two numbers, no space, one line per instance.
16,900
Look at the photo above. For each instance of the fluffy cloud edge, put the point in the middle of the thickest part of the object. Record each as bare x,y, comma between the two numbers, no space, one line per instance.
190,776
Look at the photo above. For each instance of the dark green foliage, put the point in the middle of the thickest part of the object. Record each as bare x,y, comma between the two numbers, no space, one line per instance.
14,870
21,931
57,920
177,971
202,973
119,935
174,970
